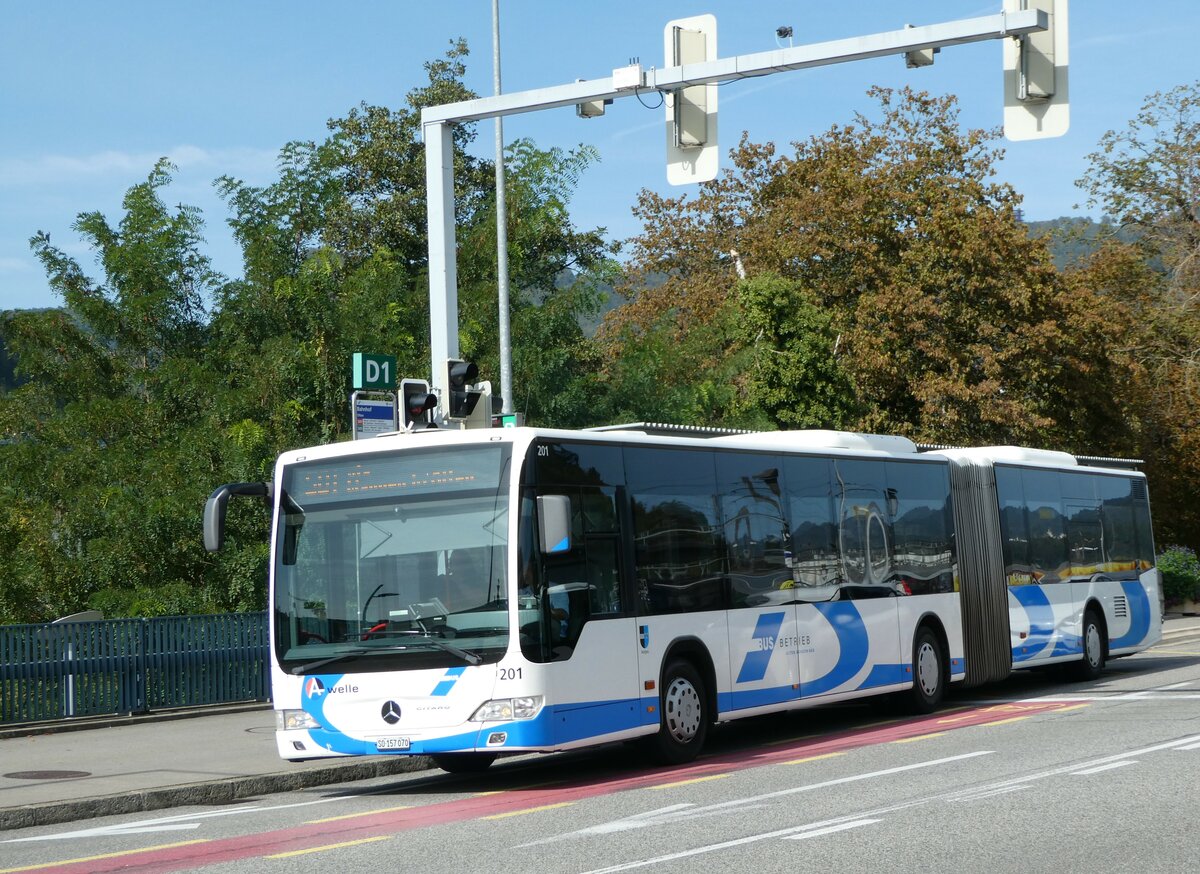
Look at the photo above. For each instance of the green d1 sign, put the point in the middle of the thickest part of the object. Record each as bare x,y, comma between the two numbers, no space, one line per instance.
374,371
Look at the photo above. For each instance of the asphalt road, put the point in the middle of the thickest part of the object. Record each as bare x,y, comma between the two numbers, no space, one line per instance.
1029,775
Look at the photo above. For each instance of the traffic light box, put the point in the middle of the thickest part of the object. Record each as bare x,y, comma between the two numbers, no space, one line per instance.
417,404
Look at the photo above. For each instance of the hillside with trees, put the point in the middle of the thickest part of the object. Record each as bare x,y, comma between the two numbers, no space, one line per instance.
1072,240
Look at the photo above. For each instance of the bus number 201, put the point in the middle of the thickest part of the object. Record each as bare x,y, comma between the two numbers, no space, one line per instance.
510,673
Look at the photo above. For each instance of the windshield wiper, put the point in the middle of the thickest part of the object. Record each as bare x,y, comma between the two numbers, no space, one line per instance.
347,654
467,656
464,654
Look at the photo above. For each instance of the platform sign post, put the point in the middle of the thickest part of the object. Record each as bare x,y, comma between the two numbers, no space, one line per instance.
372,414
374,372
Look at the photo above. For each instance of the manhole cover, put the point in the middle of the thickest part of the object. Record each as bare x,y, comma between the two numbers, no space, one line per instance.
47,775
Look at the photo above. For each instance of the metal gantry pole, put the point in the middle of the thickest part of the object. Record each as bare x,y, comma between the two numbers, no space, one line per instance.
436,121
443,268
506,378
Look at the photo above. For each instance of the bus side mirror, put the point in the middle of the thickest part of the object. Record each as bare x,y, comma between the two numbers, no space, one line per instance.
214,509
554,523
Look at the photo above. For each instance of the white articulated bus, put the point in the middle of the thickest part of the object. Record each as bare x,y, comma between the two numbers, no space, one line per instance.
471,593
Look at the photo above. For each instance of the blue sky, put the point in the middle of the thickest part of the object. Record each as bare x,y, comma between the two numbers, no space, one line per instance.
92,94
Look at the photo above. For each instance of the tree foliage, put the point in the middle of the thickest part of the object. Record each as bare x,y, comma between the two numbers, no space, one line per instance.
93,509
1147,178
139,400
895,250
873,277
796,377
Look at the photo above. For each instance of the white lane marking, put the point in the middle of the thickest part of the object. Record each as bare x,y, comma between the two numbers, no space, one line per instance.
1195,746
988,793
954,796
1072,768
683,854
830,829
663,816
1107,767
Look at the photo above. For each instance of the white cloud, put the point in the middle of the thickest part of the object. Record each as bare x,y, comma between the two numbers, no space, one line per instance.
48,169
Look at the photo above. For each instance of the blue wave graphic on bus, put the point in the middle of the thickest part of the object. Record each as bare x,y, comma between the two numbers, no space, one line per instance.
315,694
1139,616
853,643
447,683
766,632
313,700
1041,621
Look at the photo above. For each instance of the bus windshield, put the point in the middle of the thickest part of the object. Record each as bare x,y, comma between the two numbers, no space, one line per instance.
393,561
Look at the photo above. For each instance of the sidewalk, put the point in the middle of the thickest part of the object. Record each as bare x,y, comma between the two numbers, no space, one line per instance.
131,764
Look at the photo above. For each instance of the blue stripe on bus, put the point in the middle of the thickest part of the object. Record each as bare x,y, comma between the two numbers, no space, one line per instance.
887,675
853,642
761,697
452,674
1041,621
1139,616
1068,644
766,632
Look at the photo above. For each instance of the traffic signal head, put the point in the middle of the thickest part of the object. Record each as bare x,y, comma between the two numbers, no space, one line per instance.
463,399
417,403
1036,99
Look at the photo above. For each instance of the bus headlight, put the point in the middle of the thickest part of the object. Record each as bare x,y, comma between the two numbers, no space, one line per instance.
285,720
497,709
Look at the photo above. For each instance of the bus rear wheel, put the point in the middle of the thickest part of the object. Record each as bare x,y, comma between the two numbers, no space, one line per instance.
464,763
929,674
683,712
1092,663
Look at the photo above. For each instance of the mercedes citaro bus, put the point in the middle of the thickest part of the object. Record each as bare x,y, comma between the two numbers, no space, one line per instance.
466,594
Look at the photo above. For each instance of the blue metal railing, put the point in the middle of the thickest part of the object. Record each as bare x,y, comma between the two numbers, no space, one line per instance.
57,671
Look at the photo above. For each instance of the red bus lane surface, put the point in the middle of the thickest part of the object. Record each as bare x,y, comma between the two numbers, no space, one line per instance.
378,825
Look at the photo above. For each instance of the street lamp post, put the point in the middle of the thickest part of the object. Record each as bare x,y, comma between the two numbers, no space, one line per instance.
505,329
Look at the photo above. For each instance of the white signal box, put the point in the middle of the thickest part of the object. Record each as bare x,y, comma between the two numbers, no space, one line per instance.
1035,75
692,151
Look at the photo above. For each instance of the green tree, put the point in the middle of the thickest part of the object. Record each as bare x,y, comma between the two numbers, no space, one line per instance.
336,262
950,323
796,378
138,401
107,447
1144,177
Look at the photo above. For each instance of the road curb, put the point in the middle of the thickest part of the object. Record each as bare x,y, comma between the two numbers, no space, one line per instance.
1184,633
207,792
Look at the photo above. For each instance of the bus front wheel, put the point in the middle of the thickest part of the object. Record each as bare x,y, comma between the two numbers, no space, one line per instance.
929,673
684,716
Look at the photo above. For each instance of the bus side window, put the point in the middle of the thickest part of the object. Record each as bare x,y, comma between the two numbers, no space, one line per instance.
816,570
918,498
864,529
756,531
1014,527
1046,525
1119,538
584,582
678,538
